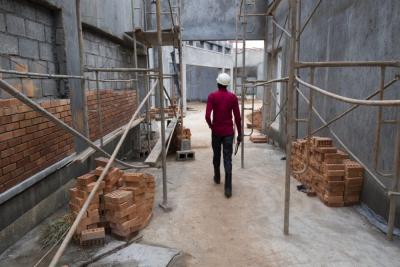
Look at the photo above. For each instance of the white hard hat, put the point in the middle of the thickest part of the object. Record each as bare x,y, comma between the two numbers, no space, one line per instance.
223,79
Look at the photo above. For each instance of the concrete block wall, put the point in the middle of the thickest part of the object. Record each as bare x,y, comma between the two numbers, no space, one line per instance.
101,52
28,37
351,31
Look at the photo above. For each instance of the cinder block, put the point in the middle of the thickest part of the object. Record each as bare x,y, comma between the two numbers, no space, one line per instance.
35,30
48,34
31,88
2,23
9,44
44,16
49,87
15,25
46,52
28,48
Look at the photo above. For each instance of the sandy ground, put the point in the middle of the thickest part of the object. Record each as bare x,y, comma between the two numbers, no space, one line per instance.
247,230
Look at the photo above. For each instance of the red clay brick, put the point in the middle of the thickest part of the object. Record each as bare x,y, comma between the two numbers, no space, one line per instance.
9,168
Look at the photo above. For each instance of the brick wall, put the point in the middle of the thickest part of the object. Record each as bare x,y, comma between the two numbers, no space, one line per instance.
29,142
117,106
28,35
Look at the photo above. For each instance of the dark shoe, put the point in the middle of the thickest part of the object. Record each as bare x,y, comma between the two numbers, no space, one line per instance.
217,176
228,185
228,192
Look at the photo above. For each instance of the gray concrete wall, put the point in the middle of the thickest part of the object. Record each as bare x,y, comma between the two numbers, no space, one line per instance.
114,17
216,20
208,63
356,31
28,36
200,82
101,52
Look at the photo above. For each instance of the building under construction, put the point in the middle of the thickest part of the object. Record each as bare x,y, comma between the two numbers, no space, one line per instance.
105,156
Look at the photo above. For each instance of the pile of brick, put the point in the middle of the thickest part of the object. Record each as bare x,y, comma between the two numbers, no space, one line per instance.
254,120
259,139
169,112
122,205
334,178
90,230
179,135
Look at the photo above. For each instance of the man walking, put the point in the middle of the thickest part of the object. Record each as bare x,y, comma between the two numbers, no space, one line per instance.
222,103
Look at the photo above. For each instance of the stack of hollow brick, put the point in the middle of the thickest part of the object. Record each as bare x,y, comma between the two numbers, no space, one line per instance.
336,179
123,204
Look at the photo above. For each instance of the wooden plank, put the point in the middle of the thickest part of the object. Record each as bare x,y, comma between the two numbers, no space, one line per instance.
156,151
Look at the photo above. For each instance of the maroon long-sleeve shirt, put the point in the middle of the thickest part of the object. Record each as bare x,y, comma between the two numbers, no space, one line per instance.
222,103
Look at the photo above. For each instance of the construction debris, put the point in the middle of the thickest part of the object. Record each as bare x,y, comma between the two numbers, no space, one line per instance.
335,179
122,205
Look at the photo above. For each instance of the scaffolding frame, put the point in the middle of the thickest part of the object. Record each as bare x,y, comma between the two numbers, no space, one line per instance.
292,88
146,73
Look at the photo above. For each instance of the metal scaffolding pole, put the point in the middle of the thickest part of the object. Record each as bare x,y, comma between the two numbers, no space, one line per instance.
164,204
103,174
35,106
290,111
243,81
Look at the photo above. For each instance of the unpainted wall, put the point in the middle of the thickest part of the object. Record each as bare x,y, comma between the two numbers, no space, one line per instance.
352,31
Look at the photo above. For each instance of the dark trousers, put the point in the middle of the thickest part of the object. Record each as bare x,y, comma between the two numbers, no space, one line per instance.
227,147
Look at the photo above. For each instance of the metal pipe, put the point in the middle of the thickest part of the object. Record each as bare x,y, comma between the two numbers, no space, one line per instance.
379,127
269,82
27,101
345,64
281,28
343,144
99,114
164,204
90,69
289,112
348,99
309,18
309,126
352,108
243,79
81,213
396,182
41,75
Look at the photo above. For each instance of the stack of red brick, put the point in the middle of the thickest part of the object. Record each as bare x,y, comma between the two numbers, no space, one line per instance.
178,136
122,206
335,178
168,111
